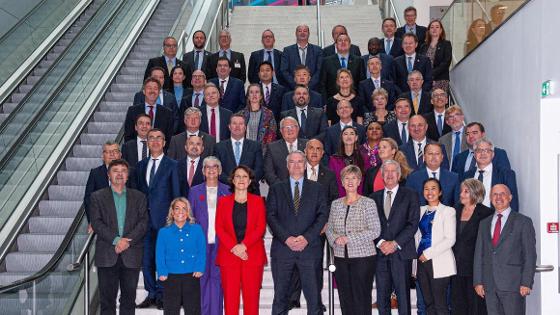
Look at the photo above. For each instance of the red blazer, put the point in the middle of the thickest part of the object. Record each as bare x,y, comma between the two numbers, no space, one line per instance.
256,227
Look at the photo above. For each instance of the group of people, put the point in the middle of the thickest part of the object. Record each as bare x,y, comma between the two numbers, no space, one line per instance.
360,152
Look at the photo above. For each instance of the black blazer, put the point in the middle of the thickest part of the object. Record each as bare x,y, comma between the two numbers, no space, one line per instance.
315,124
251,156
275,169
442,59
421,63
409,150
177,146
402,224
396,47
326,178
168,83
366,88
182,169
97,179
425,105
238,68
315,100
130,152
255,60
169,100
189,57
420,34
234,97
291,59
329,69
329,50
225,115
332,137
386,65
391,130
465,240
276,95
500,176
432,132
164,120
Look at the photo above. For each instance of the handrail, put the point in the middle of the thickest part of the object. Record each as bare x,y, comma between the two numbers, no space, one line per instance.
544,268
483,10
395,15
22,20
319,26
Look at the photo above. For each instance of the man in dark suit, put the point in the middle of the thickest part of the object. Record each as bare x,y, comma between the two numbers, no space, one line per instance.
236,59
374,81
437,125
158,179
192,97
119,217
414,148
136,150
276,152
272,92
399,216
269,54
343,59
214,118
332,49
189,168
332,134
302,53
465,161
374,49
239,150
398,130
409,61
198,57
412,27
167,62
162,117
420,99
490,174
312,121
505,257
455,141
192,120
302,76
296,213
450,186
232,90
164,97
391,44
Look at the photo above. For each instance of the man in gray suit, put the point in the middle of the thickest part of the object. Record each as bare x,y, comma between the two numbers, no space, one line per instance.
455,141
505,257
119,217
192,118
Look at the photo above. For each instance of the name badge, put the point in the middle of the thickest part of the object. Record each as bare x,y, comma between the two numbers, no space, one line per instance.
237,64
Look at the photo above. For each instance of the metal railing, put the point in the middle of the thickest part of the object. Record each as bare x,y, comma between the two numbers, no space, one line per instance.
388,9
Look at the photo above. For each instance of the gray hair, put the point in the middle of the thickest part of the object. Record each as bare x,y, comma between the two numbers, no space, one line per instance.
296,152
286,119
192,110
391,162
110,143
483,140
415,72
475,188
350,170
212,158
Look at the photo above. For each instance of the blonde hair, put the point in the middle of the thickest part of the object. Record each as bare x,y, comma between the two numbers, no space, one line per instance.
190,217
399,157
476,190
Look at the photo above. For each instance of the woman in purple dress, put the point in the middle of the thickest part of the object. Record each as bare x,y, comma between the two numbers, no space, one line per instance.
348,153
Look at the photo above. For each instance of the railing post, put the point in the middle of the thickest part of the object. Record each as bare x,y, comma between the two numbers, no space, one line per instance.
34,293
86,284
331,268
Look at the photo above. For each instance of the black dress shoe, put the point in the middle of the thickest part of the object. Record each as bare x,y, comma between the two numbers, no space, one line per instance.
294,304
159,304
324,308
148,302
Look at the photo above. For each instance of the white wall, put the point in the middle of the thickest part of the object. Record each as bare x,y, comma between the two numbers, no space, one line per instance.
423,8
499,85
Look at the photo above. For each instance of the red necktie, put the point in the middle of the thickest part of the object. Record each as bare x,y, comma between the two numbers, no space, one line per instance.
497,230
191,173
213,123
151,113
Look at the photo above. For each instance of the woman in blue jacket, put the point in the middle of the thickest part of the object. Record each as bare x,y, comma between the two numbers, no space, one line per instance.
180,259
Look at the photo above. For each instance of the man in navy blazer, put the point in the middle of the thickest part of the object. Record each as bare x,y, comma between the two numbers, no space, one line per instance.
332,50
414,148
296,213
449,181
437,125
190,167
269,54
397,129
134,150
236,59
232,90
158,179
332,134
420,99
375,80
197,58
163,98
410,60
374,49
272,92
222,115
312,121
395,246
411,26
302,76
292,57
249,152
167,62
391,44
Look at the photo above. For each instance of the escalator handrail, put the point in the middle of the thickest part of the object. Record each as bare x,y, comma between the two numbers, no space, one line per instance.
22,20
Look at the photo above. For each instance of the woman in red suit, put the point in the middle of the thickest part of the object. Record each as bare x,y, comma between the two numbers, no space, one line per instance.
240,227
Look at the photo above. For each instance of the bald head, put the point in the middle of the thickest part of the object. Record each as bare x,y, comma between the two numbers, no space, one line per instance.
417,127
500,196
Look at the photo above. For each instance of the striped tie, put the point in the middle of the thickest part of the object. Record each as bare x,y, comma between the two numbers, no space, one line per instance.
296,198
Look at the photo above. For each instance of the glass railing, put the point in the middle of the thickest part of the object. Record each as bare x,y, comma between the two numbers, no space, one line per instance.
468,23
36,147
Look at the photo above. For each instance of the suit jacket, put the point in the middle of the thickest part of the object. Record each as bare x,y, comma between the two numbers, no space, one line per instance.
425,105
177,146
254,233
332,137
276,96
315,124
186,102
432,132
310,220
450,185
500,176
409,151
182,169
511,263
442,59
97,179
500,160
315,100
169,101
366,88
255,60
238,68
105,224
251,156
168,83
421,63
386,66
330,50
165,187
327,178
130,152
465,240
396,47
164,120
313,61
234,97
199,204
225,115
447,141
391,130
402,224
420,34
443,238
275,168
329,69
189,58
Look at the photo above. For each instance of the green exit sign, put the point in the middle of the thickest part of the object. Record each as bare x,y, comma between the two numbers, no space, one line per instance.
546,89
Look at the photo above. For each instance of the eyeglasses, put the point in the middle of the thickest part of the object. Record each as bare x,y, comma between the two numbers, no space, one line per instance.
483,151
442,95
289,127
170,46
115,151
154,139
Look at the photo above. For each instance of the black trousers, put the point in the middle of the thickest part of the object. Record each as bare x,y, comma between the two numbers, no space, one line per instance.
295,288
354,280
434,291
393,273
181,289
464,300
110,279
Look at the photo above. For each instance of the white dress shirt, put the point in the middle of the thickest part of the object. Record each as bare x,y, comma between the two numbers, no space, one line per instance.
486,181
212,202
298,113
309,170
225,83
139,147
430,172
415,143
393,195
292,145
189,161
151,164
400,125
209,115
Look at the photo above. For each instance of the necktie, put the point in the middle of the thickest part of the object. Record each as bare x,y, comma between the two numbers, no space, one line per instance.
213,123
267,95
196,99
420,153
497,231
481,176
269,56
376,83
415,102
409,66
313,174
296,198
237,152
152,172
191,173
343,62
303,120
403,133
434,175
197,60
169,66
457,145
387,46
470,165
151,113
387,204
302,56
439,124
222,88
224,54
144,149
291,148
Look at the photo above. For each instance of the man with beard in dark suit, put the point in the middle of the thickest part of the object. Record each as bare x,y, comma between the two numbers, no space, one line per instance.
197,58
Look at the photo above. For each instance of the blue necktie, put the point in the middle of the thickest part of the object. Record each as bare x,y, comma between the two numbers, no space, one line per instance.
152,172
269,56
457,145
388,46
469,162
439,124
237,152
403,133
343,62
409,66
